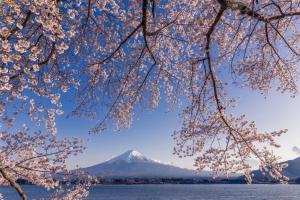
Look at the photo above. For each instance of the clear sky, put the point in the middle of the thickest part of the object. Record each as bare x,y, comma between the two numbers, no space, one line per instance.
151,131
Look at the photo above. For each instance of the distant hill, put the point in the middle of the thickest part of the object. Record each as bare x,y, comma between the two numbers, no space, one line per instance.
292,171
134,164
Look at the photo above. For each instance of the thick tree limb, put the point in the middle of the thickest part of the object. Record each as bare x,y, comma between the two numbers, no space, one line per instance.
13,183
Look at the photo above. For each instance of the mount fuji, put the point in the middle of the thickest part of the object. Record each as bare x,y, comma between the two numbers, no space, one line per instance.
134,164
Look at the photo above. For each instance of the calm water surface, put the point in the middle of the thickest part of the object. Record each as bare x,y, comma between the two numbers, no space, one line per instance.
176,192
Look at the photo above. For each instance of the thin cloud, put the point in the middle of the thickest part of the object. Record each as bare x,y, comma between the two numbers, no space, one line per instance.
296,150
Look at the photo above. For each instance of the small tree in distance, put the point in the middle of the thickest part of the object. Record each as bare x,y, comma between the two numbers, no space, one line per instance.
120,54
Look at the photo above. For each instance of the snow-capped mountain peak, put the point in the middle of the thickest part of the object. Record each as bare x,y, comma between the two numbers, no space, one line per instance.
134,164
130,156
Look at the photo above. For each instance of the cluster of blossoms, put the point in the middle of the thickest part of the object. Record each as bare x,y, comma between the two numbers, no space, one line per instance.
41,160
121,54
33,36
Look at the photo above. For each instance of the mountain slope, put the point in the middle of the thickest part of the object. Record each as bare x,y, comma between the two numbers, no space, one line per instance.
293,169
134,164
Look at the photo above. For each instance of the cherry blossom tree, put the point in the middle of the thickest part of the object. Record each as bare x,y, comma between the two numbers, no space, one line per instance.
121,55
33,34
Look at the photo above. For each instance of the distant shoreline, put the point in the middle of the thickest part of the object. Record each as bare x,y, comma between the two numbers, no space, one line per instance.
175,181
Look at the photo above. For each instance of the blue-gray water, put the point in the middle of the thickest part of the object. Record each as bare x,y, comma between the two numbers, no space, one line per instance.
176,192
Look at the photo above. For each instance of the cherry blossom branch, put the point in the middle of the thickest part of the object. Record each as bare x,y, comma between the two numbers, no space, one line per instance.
214,86
45,62
119,46
24,23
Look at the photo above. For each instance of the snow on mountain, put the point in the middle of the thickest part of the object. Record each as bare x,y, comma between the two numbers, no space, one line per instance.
130,156
134,164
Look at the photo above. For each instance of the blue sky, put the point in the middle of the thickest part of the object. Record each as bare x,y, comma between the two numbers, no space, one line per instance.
151,131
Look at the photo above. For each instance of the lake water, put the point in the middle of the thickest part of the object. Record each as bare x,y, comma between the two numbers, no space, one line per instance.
175,192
